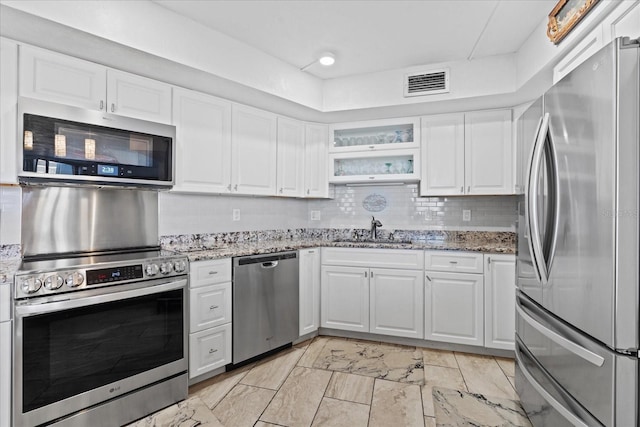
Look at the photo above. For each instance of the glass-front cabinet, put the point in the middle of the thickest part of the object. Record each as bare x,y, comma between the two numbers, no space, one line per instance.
375,135
381,166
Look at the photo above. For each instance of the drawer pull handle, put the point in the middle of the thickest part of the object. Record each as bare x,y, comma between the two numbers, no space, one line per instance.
213,272
453,262
212,350
428,278
213,307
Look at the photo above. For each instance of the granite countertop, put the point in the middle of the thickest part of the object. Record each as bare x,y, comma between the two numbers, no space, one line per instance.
265,247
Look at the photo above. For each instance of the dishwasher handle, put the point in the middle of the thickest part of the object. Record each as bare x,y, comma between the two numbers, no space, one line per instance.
269,265
266,259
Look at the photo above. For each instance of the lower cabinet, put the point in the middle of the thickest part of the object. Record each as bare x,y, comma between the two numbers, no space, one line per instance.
454,297
500,301
386,301
454,308
309,282
209,316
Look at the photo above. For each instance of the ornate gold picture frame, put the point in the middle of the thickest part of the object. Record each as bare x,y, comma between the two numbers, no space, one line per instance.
565,16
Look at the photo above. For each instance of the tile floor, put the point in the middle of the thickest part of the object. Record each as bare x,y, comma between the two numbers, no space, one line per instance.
344,382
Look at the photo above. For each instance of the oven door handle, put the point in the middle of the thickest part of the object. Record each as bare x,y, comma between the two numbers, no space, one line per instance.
46,307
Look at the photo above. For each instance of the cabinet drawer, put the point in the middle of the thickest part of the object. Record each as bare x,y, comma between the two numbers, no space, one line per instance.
461,262
209,349
378,258
209,272
209,306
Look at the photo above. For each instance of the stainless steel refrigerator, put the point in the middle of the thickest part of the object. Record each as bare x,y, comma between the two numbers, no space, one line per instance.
578,299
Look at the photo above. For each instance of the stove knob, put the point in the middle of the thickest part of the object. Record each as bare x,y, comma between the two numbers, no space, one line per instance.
166,267
53,282
152,269
180,266
31,285
74,280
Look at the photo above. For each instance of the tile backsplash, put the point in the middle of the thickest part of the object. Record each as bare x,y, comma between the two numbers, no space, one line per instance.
400,207
397,207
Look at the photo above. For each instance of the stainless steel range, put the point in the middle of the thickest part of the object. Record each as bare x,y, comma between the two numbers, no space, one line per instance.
100,334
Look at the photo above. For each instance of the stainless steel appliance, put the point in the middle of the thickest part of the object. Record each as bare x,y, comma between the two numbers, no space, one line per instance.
100,334
578,298
68,144
265,304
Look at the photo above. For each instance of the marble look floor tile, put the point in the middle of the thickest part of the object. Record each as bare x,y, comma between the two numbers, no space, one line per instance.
338,413
272,372
354,388
396,404
429,422
188,413
312,352
444,377
297,401
262,424
483,376
439,358
214,393
243,405
512,380
457,408
391,362
508,366
427,401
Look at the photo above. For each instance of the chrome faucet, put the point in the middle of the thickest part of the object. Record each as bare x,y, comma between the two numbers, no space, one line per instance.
374,227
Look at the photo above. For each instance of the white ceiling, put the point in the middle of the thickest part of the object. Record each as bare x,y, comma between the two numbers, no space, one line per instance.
371,35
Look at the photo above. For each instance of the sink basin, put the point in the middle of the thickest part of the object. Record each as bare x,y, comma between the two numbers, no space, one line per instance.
377,242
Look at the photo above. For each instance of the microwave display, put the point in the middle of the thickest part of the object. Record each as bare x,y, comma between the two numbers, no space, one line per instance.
60,148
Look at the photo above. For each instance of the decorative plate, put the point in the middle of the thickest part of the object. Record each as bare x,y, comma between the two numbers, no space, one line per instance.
374,202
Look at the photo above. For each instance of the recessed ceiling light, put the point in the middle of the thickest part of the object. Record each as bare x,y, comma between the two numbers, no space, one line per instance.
327,59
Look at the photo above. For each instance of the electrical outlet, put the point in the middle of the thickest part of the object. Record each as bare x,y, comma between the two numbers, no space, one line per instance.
236,214
466,215
315,215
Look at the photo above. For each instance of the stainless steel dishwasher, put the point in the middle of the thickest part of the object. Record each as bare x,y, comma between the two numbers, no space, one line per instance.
265,303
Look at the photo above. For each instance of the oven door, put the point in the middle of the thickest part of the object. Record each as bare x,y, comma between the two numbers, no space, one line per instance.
74,351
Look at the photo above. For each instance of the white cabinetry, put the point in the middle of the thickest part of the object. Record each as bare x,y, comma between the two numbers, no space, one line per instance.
359,295
209,316
454,302
63,79
203,142
316,150
253,151
382,150
309,268
467,153
8,111
500,300
290,176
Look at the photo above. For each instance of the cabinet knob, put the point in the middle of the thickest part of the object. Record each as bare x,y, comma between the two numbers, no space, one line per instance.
373,147
101,105
235,187
281,189
428,278
213,307
372,177
453,262
462,189
468,189
113,107
308,191
213,272
212,350
365,274
229,187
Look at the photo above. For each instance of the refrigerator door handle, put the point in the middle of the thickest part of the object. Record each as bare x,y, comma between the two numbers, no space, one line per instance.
548,397
552,161
532,201
569,345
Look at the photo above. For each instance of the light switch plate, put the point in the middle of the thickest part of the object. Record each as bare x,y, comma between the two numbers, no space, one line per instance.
315,215
236,214
466,215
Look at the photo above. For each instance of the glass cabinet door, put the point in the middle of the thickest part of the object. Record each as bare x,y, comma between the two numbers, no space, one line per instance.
382,166
375,135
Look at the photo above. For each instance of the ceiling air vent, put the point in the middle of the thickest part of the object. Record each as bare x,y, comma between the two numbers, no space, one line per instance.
427,83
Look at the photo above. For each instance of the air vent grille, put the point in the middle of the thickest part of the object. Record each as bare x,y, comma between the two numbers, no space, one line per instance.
427,83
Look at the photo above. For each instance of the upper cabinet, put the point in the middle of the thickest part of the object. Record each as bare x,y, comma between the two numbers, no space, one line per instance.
59,78
8,111
290,175
467,154
253,151
375,135
316,147
375,151
203,142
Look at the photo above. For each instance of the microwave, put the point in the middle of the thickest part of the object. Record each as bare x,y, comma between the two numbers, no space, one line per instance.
62,144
